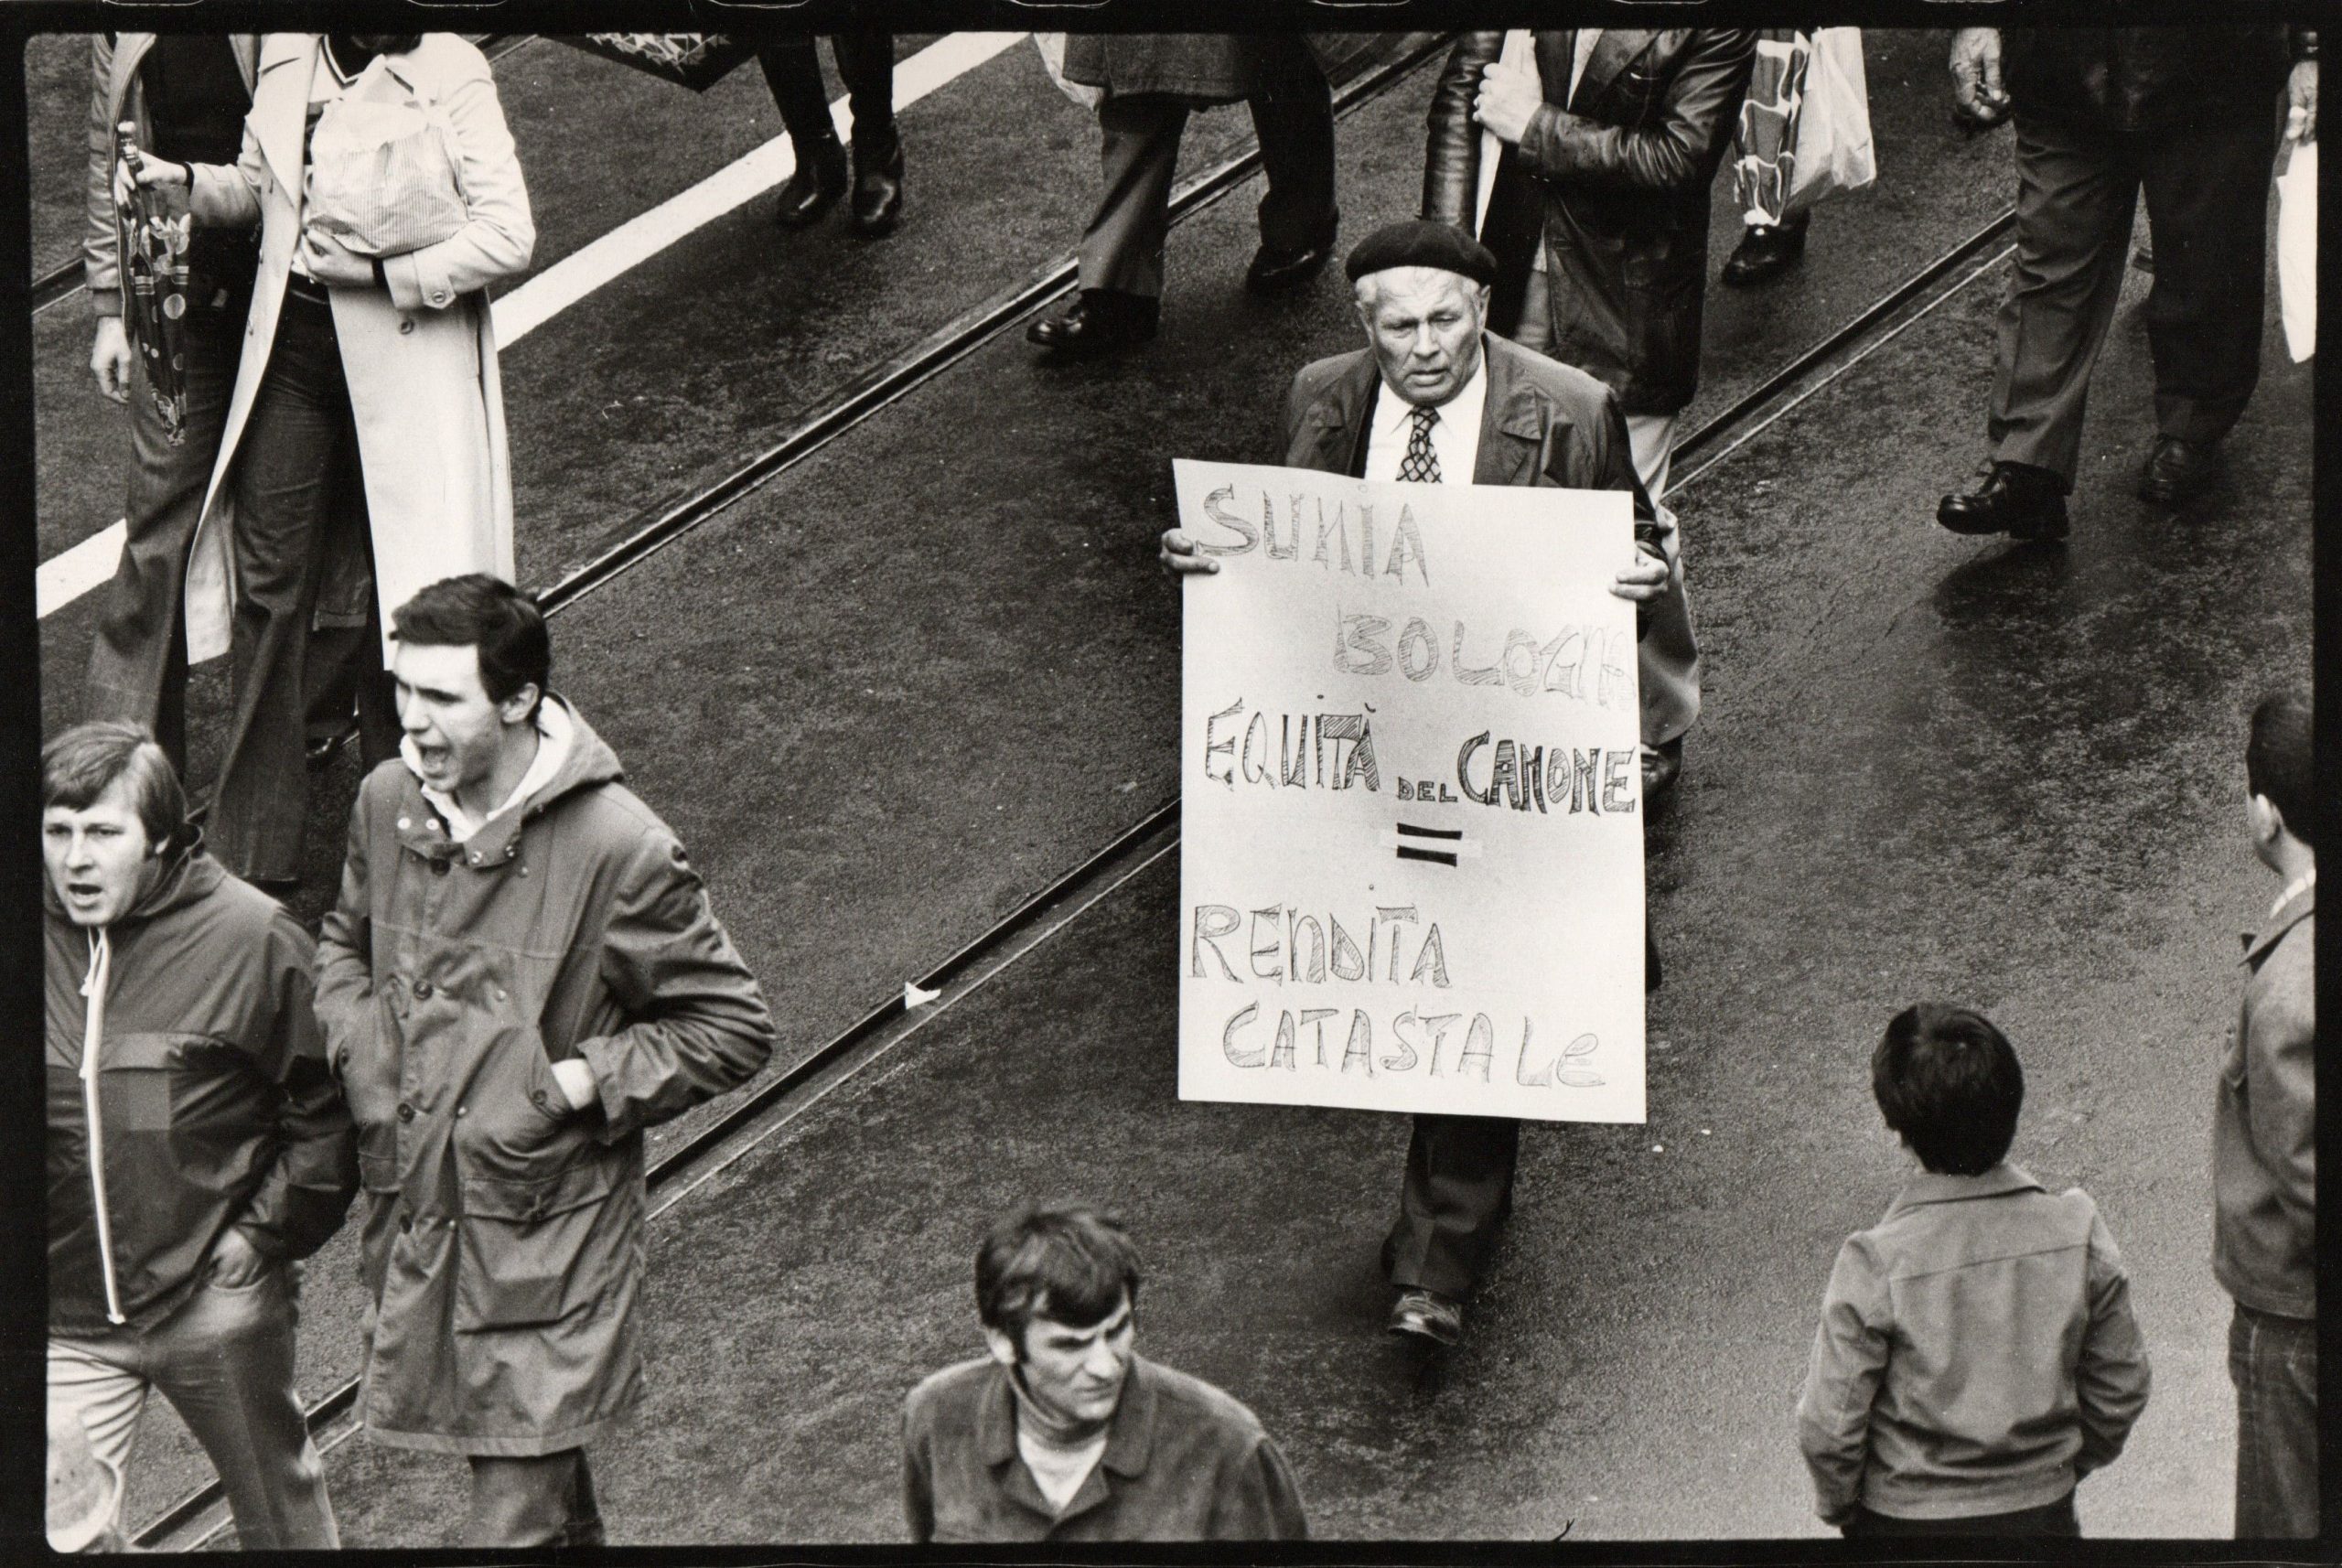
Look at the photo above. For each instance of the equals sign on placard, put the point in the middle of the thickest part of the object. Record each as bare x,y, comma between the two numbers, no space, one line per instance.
1441,845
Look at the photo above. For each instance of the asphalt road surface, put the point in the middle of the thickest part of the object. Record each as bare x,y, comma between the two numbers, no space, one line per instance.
918,675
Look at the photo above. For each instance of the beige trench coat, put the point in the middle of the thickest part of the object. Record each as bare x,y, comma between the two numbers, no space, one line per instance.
420,357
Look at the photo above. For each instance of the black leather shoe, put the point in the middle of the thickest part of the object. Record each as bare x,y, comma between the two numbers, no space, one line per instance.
1275,272
819,180
2177,470
1764,252
1427,1316
1099,321
877,192
2015,498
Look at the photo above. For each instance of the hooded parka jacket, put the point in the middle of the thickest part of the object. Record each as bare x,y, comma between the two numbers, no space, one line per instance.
214,1107
503,1230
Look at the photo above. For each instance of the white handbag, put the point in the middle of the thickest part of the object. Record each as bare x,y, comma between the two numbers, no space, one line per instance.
2297,249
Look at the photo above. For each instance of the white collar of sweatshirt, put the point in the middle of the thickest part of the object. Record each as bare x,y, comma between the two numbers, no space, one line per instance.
556,734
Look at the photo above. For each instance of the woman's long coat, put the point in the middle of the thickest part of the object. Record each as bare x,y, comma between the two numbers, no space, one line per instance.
420,357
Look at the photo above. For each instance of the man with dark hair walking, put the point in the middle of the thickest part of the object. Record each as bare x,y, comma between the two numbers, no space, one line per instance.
197,1146
1062,1433
522,975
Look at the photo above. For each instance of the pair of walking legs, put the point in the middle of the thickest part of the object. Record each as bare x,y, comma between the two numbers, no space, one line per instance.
2078,188
1293,114
224,1359
299,539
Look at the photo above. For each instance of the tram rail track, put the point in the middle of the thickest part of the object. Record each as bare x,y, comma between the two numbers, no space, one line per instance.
767,1108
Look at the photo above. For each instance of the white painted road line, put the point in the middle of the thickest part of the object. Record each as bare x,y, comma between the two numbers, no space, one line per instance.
638,239
66,576
69,575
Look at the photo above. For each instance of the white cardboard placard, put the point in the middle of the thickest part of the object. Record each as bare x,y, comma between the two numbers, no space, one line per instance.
1410,834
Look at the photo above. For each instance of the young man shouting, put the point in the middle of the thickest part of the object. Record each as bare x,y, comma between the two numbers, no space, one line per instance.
522,975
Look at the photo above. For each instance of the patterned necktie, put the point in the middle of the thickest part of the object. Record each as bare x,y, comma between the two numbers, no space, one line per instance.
1421,463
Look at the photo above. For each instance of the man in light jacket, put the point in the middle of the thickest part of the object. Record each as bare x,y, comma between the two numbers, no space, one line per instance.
522,975
2264,1144
197,1145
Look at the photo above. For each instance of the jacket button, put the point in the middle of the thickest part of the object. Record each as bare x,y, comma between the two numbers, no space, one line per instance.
406,326
422,989
406,1113
438,868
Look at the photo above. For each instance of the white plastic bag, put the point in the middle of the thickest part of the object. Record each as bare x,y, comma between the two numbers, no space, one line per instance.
1832,154
1052,48
384,178
2297,249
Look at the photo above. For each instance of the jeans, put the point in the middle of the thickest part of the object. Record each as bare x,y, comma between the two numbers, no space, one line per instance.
547,1500
138,657
2049,1519
296,466
2273,1361
224,1359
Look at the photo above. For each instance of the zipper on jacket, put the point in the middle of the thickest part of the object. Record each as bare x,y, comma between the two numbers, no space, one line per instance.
94,1028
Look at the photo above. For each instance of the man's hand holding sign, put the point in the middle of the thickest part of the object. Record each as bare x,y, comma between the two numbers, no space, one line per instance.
1412,843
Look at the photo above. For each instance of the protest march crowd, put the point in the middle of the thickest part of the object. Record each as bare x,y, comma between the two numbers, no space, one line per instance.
290,240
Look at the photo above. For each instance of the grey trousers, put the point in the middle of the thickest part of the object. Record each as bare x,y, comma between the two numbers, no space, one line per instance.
2206,188
1452,1201
1293,113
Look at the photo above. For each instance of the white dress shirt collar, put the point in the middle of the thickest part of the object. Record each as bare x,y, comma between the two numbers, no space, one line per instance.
1454,436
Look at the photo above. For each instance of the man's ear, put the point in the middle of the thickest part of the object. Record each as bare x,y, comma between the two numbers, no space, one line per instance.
516,708
1002,1348
2267,818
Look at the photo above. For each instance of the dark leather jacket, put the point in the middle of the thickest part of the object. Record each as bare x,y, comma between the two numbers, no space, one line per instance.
1615,187
2146,78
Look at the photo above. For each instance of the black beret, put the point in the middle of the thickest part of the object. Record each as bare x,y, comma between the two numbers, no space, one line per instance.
1420,243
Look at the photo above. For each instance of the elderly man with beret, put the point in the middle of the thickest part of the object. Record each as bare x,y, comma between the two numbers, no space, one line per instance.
1435,398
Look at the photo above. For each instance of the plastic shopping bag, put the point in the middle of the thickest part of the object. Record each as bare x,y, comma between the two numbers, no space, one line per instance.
385,178
1764,143
1834,152
1052,48
2297,249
